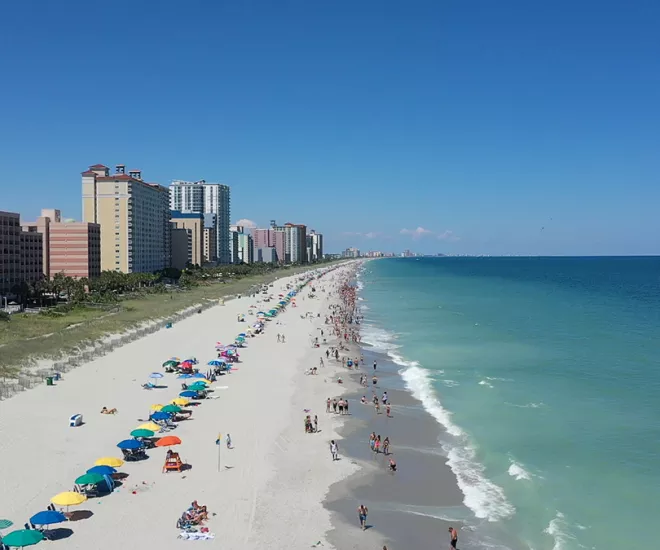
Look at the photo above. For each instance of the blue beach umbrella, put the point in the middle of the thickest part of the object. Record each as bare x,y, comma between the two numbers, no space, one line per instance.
47,517
188,394
214,363
102,470
156,375
130,444
197,375
185,376
160,415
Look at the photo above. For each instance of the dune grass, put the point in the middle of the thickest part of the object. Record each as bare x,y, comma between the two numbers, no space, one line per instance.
33,336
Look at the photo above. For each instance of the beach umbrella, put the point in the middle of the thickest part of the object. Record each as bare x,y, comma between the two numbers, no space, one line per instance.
242,334
168,441
175,359
143,433
102,470
188,393
156,375
68,498
85,479
22,538
151,426
109,461
156,407
181,376
199,385
214,363
181,401
130,443
160,416
197,375
5,523
170,409
47,517
170,363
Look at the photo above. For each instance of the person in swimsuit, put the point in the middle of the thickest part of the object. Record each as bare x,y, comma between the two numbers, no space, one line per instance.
453,533
362,514
386,446
328,404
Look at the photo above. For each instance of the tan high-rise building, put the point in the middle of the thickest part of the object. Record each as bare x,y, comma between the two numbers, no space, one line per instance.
21,253
134,217
69,247
193,224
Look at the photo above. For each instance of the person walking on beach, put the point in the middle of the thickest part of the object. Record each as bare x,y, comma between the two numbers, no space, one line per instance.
328,404
384,398
334,405
388,410
362,514
228,441
283,339
372,440
377,445
374,380
453,534
374,365
316,423
386,446
279,338
334,450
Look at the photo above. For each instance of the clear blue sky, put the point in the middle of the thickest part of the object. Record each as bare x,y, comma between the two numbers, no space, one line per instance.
479,122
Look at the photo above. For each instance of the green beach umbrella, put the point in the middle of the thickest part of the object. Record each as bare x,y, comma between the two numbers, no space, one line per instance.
171,408
4,523
197,387
89,479
142,433
23,537
170,363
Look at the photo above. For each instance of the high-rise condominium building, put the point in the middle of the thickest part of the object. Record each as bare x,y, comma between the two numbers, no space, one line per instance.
269,238
193,224
314,246
295,240
21,253
206,198
69,247
134,217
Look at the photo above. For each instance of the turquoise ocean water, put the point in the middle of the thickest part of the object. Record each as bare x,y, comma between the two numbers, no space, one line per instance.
545,373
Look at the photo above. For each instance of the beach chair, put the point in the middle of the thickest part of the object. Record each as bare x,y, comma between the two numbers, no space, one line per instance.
173,463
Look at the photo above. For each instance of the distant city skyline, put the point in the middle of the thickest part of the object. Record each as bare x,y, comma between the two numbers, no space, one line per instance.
426,125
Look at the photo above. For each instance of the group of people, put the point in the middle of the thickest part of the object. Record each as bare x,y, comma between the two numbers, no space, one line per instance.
311,426
195,514
385,401
338,406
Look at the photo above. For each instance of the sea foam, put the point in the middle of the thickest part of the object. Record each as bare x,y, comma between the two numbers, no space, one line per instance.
558,530
517,472
486,499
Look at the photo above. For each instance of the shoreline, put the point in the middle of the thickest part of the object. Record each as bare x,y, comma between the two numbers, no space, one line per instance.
415,506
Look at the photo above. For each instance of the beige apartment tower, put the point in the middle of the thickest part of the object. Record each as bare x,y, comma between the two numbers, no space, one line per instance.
134,218
193,224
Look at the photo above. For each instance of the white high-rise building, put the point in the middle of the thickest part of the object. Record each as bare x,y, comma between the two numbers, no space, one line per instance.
206,198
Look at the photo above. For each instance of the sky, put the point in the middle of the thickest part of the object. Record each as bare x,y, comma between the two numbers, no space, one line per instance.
457,127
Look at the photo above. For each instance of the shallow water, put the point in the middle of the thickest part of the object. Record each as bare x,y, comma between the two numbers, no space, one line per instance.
545,374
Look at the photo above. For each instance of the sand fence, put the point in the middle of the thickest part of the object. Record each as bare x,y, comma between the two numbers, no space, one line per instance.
35,371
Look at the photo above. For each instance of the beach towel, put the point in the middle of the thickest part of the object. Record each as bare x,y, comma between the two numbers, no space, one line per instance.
196,536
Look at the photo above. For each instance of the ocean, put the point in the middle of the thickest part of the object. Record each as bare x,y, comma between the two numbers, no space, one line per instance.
545,374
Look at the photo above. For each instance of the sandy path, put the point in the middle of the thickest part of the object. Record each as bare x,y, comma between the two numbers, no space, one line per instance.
268,493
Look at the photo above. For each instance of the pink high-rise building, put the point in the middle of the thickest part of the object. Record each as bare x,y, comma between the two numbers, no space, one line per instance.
72,248
270,238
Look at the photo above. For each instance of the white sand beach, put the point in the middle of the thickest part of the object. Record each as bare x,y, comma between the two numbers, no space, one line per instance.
269,489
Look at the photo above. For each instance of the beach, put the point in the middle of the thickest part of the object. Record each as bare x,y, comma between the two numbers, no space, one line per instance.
266,491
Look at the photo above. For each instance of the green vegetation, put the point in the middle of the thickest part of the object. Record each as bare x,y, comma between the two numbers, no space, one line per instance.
84,311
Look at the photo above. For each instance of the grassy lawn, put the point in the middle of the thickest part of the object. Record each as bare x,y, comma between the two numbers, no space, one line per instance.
32,335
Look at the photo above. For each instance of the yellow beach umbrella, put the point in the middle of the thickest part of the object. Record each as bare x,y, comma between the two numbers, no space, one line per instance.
68,498
149,426
181,402
109,461
207,382
156,407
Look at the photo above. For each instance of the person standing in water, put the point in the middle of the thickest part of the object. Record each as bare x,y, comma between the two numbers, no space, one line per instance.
453,533
374,365
334,450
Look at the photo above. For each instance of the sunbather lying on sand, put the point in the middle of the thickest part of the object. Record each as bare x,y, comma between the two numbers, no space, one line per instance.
105,410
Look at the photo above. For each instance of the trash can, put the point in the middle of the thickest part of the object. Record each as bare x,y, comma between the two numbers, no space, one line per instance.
49,380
